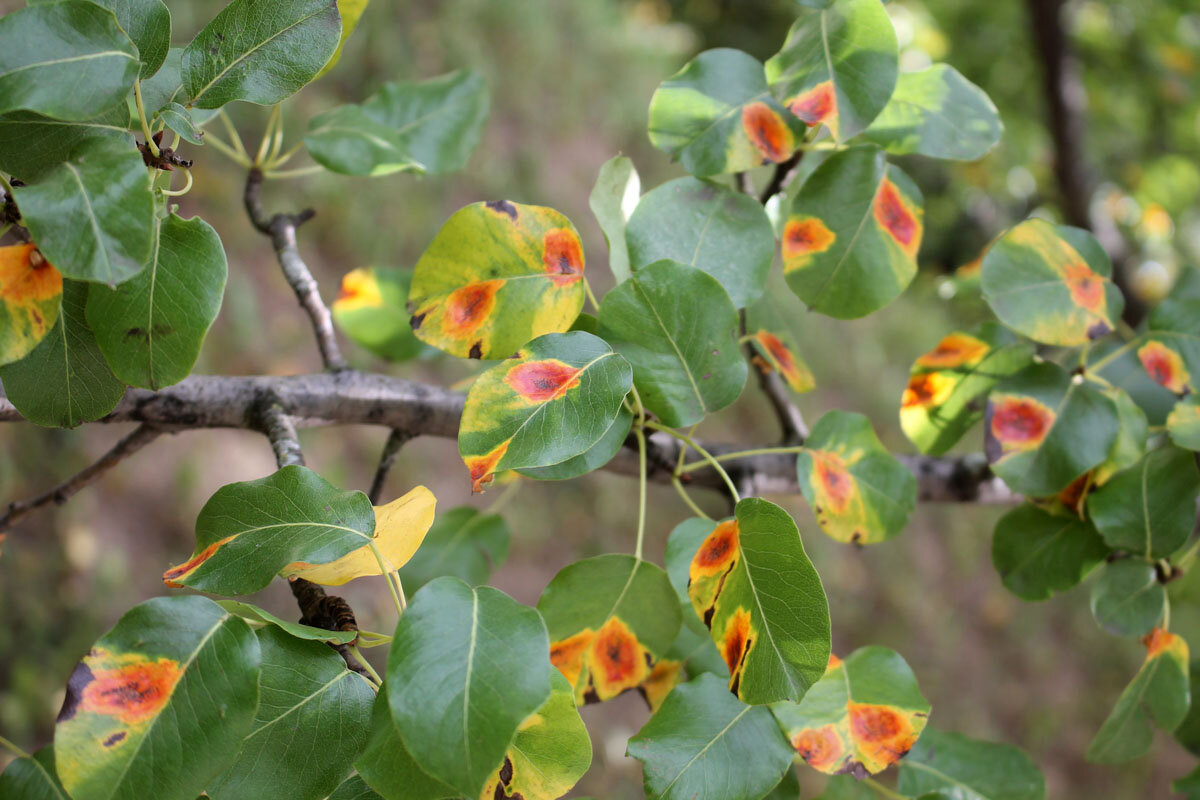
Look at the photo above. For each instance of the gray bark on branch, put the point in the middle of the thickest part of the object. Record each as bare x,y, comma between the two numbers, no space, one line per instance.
350,397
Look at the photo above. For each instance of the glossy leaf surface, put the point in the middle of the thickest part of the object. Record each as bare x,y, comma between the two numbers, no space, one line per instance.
951,765
260,51
678,329
705,744
497,275
553,400
1183,423
858,491
753,586
1038,554
148,24
32,143
612,201
371,310
591,459
466,668
706,226
1051,283
694,648
29,301
1128,600
716,115
387,766
351,12
851,239
610,618
247,532
942,400
1149,508
173,670
32,778
864,714
254,614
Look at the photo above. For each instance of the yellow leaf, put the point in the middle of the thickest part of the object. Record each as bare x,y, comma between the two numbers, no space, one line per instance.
400,527
351,12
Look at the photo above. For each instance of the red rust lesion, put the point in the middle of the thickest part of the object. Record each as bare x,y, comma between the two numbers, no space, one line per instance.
132,693
567,654
768,133
483,468
954,350
819,747
1086,287
618,660
927,390
1019,423
882,734
468,308
816,105
541,381
717,552
1165,366
173,576
832,480
804,237
562,257
897,219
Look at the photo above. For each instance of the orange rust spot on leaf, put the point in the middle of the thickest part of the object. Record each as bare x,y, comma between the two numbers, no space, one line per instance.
927,390
541,381
26,276
882,734
781,354
718,552
1087,288
172,576
1165,366
897,219
1076,492
132,693
735,645
806,236
767,132
567,655
815,105
359,290
660,682
955,350
832,480
820,747
834,662
562,256
618,660
1157,641
1020,423
483,468
467,308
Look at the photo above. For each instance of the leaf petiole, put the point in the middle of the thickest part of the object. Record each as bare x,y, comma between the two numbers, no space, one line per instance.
141,109
591,296
385,570
760,451
358,656
1096,366
697,510
708,457
18,752
883,790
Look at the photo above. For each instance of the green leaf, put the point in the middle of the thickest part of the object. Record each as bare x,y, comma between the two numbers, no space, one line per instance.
847,787
160,704
387,766
1188,732
1044,429
552,400
467,666
1188,785
65,380
464,543
1171,355
93,215
351,12
151,328
864,714
788,788
311,724
705,744
1130,445
260,51
678,329
148,24
754,587
249,531
550,753
1051,283
497,275
254,614
179,120
371,311
613,199
717,116
694,647
31,144
166,87
354,788
591,459
1183,423
706,226
969,769
1149,508
1158,694
610,618
938,113
851,239
32,778
942,399
29,303
778,352
1128,600
67,60
858,491
1038,554
425,126
838,66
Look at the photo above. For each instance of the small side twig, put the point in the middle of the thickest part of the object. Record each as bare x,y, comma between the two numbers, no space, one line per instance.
127,446
281,228
783,173
391,448
318,609
791,421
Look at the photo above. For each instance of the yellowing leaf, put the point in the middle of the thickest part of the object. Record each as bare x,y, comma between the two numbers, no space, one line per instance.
30,294
400,527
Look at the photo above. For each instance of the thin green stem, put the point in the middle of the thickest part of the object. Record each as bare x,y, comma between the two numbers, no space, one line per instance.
507,495
1166,617
641,528
883,790
5,184
697,510
286,157
716,465
1096,366
268,136
366,665
385,570
18,752
400,589
187,187
227,151
277,141
293,173
683,450
1098,380
141,109
1185,560
587,287
760,451
234,138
